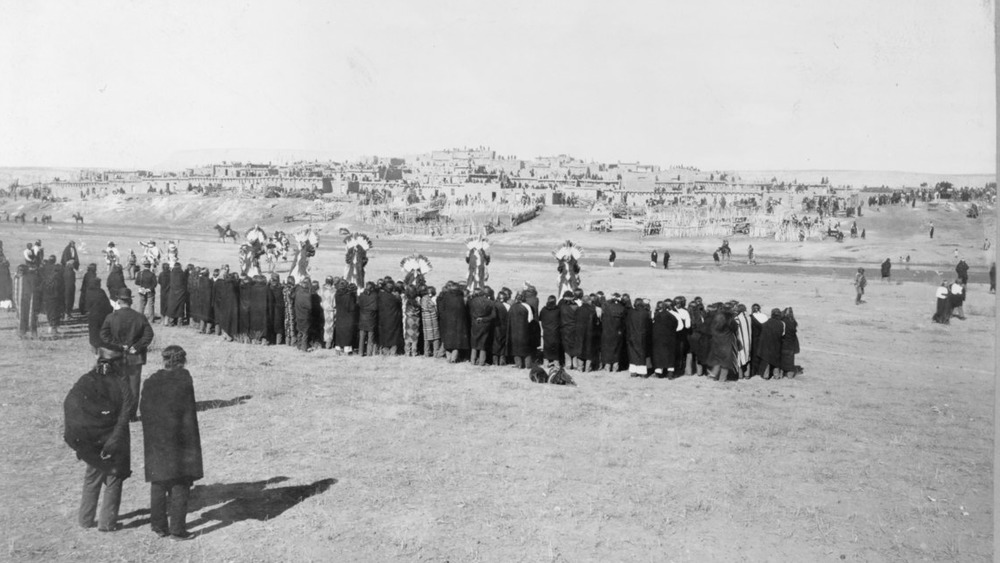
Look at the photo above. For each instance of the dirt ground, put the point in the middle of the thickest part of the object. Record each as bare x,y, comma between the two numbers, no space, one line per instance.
880,451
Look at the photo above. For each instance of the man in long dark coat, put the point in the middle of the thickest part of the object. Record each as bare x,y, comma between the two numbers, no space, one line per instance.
204,301
519,343
501,328
277,310
757,320
71,263
390,319
550,321
226,308
171,443
771,333
303,313
89,275
638,326
97,428
164,280
367,319
129,333
260,307
567,330
588,334
482,313
612,333
663,341
177,296
191,277
116,280
98,308
345,326
53,298
454,317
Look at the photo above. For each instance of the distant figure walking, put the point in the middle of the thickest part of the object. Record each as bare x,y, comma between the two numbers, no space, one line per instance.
715,256
993,277
652,259
886,270
751,259
611,258
859,286
932,229
666,259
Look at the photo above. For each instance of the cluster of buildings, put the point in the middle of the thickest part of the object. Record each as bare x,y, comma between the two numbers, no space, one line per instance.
460,174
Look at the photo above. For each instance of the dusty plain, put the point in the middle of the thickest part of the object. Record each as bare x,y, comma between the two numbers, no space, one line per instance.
880,451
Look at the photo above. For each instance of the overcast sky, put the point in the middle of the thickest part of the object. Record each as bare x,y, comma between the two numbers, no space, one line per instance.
718,85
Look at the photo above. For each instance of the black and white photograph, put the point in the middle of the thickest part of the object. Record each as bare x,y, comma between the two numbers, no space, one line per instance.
498,281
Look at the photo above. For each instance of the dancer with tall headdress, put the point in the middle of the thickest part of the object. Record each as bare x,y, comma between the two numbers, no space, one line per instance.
568,256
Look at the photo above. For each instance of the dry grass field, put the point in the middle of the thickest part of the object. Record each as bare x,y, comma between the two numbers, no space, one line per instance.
880,451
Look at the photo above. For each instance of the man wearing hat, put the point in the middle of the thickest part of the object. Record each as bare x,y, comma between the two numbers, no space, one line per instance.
146,282
151,252
129,332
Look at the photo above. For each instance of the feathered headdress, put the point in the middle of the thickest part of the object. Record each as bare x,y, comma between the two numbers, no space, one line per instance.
359,240
568,250
478,242
255,234
307,235
416,262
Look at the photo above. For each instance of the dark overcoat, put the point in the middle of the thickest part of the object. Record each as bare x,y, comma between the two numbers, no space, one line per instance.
770,342
567,328
453,315
637,329
178,292
98,309
612,332
549,319
588,332
368,311
482,313
663,342
390,319
519,331
171,441
96,414
345,325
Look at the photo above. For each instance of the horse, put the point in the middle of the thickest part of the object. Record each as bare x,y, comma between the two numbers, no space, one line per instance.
308,241
78,218
357,246
478,259
568,256
225,233
724,251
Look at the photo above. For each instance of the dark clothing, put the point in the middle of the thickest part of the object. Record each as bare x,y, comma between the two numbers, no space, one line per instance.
259,324
549,318
962,269
172,447
277,310
789,345
164,281
345,328
116,281
30,301
69,289
203,300
126,328
53,299
567,328
588,333
886,268
722,352
368,311
178,293
454,318
638,326
390,320
98,309
663,343
482,313
612,333
96,421
303,309
225,306
88,276
70,256
501,330
171,440
770,342
519,331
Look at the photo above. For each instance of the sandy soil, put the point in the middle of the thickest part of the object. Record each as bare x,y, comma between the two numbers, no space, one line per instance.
880,451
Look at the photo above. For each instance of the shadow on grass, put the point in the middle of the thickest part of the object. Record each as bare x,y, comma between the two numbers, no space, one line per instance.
220,404
240,501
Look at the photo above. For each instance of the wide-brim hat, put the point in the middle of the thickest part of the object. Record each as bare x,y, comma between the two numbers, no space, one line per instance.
124,294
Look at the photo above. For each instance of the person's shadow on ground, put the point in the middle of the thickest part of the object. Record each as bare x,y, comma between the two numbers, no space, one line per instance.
220,403
243,501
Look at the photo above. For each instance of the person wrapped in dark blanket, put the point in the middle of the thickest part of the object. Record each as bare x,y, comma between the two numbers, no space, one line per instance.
555,375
